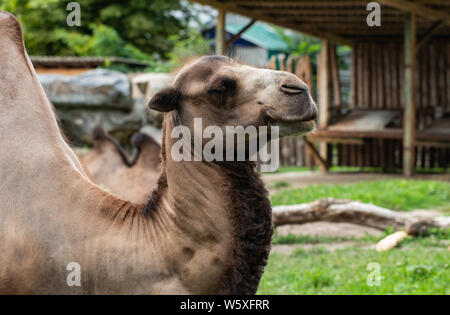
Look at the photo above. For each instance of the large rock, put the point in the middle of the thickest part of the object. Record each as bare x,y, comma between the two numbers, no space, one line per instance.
110,99
153,131
146,85
78,124
95,88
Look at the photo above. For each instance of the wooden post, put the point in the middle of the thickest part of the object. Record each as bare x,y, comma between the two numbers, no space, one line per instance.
409,115
323,74
220,32
335,75
239,34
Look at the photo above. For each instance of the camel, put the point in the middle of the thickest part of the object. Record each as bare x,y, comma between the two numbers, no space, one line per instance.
109,166
206,227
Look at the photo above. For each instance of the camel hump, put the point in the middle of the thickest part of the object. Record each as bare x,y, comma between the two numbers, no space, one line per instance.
99,134
140,139
10,26
100,137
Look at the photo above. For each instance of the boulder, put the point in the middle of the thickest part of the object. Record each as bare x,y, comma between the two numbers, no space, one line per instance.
95,88
146,85
153,131
78,124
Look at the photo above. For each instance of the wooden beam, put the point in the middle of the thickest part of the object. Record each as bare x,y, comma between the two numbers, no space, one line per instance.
418,9
335,76
339,18
428,34
280,22
409,115
324,11
324,165
297,3
386,133
323,90
220,32
356,141
238,35
323,81
313,3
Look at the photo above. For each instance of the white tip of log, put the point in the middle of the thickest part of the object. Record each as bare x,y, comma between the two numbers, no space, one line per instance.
391,241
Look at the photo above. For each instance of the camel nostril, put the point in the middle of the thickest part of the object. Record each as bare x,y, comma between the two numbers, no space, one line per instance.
293,89
313,115
313,112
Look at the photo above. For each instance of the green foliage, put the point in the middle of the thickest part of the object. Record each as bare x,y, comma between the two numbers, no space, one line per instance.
299,44
280,184
436,238
392,194
186,47
412,270
39,19
104,41
152,31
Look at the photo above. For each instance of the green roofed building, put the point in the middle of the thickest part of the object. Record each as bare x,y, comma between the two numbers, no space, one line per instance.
255,46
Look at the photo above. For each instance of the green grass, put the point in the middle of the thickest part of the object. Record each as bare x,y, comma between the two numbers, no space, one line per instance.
280,185
409,270
418,266
358,169
435,238
395,194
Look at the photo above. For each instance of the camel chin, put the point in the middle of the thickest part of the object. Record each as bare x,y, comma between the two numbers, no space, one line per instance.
291,126
296,128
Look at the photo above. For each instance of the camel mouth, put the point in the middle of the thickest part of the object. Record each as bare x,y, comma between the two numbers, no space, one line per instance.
292,125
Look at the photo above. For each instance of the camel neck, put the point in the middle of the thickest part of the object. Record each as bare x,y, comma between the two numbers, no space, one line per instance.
225,202
251,214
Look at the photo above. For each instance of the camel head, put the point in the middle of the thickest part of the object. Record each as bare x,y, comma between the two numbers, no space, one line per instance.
225,93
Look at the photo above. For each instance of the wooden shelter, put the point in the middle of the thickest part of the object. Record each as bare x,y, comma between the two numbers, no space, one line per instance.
399,69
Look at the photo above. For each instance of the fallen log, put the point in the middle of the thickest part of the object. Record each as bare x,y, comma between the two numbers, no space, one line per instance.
340,210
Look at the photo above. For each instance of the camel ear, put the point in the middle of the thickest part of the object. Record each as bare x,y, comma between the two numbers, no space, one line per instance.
165,100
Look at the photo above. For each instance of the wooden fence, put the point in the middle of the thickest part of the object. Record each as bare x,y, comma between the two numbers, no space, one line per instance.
377,83
293,151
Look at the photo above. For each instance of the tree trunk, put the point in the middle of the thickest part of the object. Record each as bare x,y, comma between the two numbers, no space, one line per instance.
340,210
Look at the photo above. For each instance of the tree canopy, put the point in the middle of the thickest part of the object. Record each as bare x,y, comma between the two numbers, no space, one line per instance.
147,30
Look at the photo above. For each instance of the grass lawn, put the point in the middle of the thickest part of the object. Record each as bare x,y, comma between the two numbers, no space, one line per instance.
395,194
418,266
434,239
412,269
357,169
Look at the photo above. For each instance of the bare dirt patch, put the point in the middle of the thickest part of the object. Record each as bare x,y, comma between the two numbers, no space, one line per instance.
304,179
289,248
328,229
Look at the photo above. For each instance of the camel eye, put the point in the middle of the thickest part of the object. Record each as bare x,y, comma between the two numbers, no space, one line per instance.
222,85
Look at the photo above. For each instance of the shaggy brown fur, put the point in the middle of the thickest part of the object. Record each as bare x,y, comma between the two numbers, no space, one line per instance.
251,214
